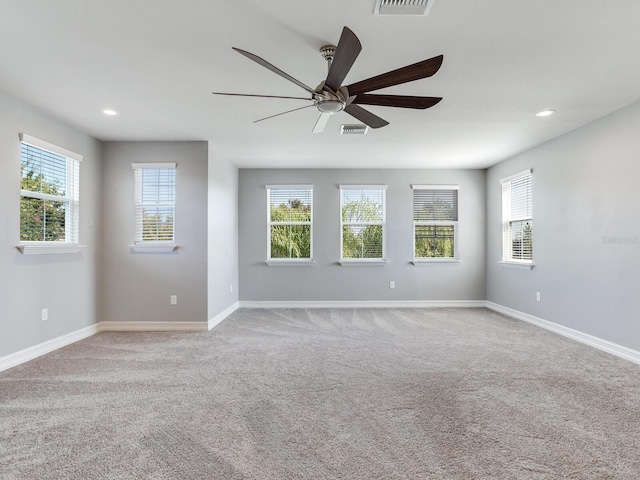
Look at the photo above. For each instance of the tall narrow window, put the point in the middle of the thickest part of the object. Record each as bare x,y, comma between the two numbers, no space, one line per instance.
49,192
362,209
155,197
289,220
435,222
517,218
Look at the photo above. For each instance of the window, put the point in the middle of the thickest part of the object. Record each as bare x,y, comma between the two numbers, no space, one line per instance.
435,222
362,209
155,196
49,195
289,220
517,219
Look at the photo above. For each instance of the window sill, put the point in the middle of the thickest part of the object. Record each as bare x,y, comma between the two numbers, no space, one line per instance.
521,265
418,262
46,248
290,263
362,263
142,248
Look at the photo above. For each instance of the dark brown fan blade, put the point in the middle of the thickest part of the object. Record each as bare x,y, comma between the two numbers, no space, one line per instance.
274,69
347,51
419,70
365,116
402,101
260,96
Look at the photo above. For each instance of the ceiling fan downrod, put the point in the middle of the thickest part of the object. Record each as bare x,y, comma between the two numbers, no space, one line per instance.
327,101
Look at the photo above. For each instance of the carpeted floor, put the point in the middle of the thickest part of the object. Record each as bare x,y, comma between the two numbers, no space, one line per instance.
325,394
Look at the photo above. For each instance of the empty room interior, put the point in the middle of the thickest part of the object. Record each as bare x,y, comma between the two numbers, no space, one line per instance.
291,239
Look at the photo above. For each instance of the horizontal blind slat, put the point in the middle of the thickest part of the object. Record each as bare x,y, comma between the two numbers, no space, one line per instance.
435,205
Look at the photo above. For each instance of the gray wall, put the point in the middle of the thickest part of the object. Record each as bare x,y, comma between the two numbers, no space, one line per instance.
223,235
66,284
327,281
586,231
137,286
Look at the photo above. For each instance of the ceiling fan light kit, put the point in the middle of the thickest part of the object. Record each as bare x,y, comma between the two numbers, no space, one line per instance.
331,97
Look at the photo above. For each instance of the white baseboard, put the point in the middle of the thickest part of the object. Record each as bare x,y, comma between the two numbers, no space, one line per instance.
366,304
222,315
30,353
152,327
599,343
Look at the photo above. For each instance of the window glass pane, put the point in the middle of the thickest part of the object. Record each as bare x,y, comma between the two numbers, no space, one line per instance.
157,223
359,241
434,241
435,205
290,205
158,185
43,171
42,220
521,197
290,241
521,240
361,205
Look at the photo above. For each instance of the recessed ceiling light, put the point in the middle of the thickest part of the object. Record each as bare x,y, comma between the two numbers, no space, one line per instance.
108,111
545,113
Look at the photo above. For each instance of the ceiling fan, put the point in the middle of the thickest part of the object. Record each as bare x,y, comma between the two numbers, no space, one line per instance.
331,97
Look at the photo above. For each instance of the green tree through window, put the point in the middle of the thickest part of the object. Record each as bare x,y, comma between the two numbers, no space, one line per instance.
362,216
49,196
290,222
435,221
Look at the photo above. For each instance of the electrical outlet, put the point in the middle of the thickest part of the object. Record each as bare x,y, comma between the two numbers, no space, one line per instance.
392,284
45,314
174,299
231,288
537,296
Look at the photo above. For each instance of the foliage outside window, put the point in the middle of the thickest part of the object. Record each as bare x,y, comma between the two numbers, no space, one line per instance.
517,218
155,195
289,220
362,222
49,192
435,222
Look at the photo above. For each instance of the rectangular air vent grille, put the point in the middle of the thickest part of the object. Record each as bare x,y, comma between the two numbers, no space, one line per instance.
402,7
353,129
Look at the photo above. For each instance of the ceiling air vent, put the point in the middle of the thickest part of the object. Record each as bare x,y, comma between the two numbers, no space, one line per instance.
353,129
402,7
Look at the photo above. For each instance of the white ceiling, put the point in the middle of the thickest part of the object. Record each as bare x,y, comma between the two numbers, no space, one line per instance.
156,63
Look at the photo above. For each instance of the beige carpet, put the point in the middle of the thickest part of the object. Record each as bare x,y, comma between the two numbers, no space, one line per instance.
325,394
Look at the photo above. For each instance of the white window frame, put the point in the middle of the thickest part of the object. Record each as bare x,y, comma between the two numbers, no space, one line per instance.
152,246
71,199
428,223
365,261
508,219
281,262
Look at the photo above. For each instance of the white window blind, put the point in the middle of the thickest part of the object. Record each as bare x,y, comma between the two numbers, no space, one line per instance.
435,221
49,192
517,218
155,196
363,214
290,222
